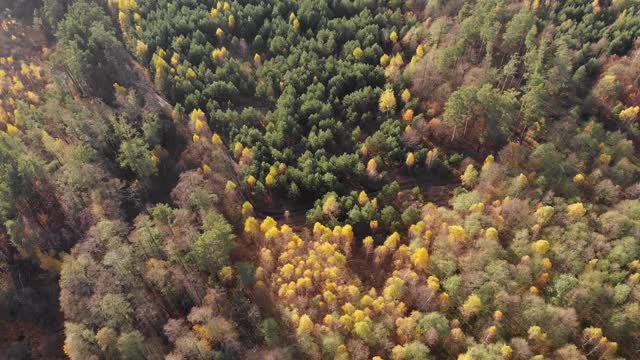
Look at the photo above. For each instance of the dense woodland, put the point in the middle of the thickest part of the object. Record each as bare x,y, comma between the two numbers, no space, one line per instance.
320,179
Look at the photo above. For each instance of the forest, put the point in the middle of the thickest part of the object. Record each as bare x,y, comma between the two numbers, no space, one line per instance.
320,179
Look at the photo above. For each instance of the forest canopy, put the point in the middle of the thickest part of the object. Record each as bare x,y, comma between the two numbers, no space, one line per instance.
320,179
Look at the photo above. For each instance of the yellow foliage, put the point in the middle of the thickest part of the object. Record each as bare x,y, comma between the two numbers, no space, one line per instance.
346,321
287,271
433,283
12,130
219,32
506,351
387,101
367,241
330,206
492,330
576,211
237,149
478,207
372,166
268,180
357,52
229,186
363,198
521,180
488,162
219,54
18,86
411,159
272,233
397,60
395,289
405,96
471,306
392,240
226,274
251,180
393,36
32,97
629,114
267,224
215,139
198,119
246,153
398,353
604,158
541,246
470,176
141,49
305,326
384,60
544,214
199,125
127,5
457,233
363,329
231,21
420,258
247,208
535,4
329,297
328,319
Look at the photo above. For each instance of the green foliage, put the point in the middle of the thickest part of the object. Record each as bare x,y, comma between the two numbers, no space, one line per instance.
246,271
19,168
483,110
134,153
88,51
210,251
270,330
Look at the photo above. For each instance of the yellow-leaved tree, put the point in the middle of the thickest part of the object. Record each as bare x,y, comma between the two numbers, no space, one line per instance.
387,102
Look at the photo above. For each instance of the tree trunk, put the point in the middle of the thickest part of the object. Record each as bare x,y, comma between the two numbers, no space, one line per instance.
466,123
